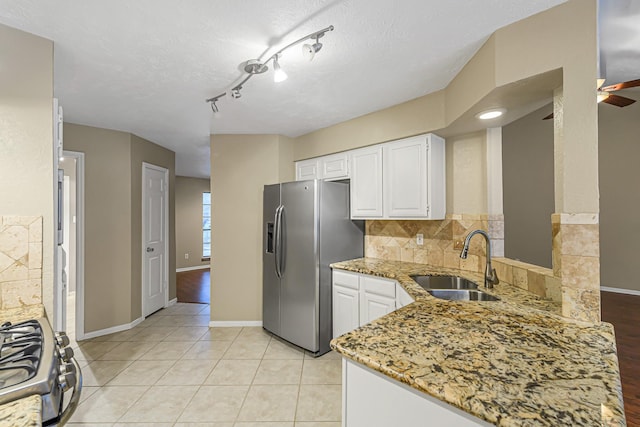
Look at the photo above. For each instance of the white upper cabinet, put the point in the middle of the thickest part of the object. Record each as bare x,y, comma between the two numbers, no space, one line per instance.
403,179
414,181
334,167
307,169
330,168
366,182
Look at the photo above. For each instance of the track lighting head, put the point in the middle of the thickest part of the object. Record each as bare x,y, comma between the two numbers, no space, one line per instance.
278,73
310,50
235,92
214,107
253,66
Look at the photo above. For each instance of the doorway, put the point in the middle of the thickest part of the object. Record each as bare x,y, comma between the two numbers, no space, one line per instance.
73,243
155,232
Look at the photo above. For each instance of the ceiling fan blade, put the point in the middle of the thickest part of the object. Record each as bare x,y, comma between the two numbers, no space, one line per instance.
623,85
550,116
618,101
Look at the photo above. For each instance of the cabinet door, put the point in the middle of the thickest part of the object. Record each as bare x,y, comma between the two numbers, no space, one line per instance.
345,310
373,306
307,169
366,183
405,178
335,167
436,181
375,400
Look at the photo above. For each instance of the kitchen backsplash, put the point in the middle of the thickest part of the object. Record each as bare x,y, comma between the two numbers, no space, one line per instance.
396,240
443,239
20,261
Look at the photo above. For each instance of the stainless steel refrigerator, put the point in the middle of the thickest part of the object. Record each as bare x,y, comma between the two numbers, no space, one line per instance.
306,228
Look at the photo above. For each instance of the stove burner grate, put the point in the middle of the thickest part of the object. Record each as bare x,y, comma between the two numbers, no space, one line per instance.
20,352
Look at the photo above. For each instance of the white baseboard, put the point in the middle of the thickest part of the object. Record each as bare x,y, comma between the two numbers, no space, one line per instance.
113,329
197,267
172,302
620,290
231,323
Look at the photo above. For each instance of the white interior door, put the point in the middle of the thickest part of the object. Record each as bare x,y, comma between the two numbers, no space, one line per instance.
154,238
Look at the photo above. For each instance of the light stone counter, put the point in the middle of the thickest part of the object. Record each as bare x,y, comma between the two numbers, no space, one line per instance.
512,362
24,412
28,411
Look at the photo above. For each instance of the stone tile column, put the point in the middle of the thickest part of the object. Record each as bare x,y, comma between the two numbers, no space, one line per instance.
576,261
576,242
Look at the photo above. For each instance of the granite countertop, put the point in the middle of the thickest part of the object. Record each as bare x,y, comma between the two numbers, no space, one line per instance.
24,412
28,411
513,362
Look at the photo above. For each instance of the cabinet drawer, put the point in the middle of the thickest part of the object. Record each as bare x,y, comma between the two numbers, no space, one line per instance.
379,286
347,280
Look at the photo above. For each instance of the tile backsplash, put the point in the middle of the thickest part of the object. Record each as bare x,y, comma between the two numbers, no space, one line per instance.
443,240
20,261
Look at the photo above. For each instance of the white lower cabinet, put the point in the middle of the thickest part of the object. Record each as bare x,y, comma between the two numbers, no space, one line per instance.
359,299
377,298
346,294
374,400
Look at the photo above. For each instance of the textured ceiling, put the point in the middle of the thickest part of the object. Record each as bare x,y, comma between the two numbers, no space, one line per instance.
146,66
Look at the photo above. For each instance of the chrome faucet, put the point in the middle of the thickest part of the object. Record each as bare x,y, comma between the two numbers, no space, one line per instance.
490,276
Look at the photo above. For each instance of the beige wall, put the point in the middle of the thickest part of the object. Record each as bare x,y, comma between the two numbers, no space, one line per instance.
113,215
466,173
619,129
527,166
107,236
26,137
146,151
189,220
240,167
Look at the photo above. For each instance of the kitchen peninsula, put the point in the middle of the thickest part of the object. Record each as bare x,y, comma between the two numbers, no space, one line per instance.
513,362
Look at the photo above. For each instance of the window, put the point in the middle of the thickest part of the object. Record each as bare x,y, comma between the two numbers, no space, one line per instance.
206,225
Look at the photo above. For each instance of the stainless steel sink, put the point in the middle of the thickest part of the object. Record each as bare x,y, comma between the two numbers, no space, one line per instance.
444,282
462,295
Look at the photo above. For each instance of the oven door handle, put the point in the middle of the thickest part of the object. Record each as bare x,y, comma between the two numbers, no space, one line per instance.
75,397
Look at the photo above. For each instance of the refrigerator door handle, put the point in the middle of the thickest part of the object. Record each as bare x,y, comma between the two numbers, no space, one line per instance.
283,241
277,240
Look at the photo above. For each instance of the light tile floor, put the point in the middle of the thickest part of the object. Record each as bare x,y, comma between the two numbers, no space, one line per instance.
173,370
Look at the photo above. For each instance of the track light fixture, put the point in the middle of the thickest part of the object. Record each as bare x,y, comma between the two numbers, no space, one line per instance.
310,50
278,73
255,66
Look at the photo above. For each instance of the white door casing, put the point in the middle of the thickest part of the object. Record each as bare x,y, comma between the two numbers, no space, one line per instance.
155,209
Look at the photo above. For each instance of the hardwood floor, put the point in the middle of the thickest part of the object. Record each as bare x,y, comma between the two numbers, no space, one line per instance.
193,286
623,311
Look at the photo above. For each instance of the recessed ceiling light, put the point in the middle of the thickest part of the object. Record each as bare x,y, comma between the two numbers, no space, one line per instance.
491,114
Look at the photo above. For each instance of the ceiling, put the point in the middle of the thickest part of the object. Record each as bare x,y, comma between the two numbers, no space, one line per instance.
147,66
